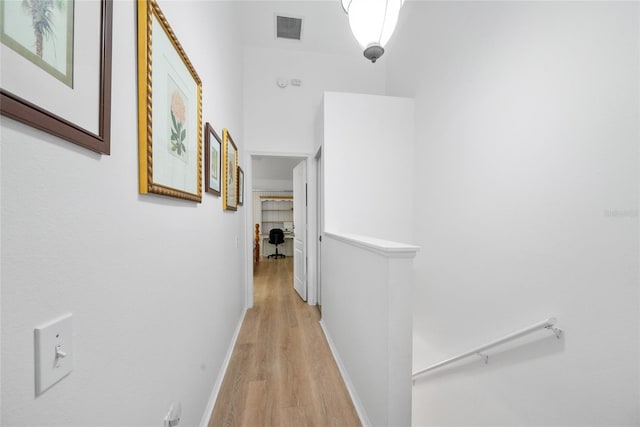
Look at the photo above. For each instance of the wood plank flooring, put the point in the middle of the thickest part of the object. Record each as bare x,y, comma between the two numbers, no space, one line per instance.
281,371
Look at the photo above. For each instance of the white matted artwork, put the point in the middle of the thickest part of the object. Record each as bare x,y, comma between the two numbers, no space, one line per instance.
41,31
55,72
170,155
213,154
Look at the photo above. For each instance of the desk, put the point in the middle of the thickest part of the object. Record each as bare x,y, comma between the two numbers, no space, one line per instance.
285,248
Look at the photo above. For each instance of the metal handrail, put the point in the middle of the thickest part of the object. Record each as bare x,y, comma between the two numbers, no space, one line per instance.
545,324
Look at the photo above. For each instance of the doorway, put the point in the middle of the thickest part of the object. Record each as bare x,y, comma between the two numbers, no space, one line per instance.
270,185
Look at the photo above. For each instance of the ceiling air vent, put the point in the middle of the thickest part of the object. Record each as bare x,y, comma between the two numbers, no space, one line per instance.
288,27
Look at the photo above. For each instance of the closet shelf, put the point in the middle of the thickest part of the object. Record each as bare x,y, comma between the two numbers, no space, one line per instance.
276,212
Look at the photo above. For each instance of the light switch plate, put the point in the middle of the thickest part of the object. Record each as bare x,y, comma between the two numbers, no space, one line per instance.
53,352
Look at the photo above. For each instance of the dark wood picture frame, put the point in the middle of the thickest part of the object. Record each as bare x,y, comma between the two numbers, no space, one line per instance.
210,187
33,115
240,186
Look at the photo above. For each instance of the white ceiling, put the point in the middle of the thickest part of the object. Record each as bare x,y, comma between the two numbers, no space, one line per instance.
325,26
325,29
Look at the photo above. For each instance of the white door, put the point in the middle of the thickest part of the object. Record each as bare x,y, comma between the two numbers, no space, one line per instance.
300,229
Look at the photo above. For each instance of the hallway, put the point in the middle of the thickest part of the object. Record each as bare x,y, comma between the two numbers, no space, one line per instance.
282,372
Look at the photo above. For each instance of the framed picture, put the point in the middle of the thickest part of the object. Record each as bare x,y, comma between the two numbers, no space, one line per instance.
212,157
240,186
169,110
56,68
229,172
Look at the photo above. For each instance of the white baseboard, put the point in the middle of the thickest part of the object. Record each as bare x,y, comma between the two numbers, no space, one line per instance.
223,370
347,381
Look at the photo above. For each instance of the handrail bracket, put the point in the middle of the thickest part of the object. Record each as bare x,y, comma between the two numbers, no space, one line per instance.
556,331
484,356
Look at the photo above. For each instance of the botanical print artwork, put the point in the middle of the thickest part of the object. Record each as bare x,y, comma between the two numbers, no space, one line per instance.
170,110
231,179
214,164
231,185
42,32
177,122
240,186
230,172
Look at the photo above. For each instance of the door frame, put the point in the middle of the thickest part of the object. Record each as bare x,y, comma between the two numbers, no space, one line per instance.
316,232
311,221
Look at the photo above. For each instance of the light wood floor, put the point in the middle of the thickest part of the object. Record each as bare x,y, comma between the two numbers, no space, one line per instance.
282,372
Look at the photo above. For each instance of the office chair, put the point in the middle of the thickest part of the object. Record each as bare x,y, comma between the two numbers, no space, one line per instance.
276,237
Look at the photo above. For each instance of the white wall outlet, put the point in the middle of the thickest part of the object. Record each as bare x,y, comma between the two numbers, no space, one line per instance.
173,416
53,352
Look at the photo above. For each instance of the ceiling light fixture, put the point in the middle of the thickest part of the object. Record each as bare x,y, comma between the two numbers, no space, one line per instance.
372,23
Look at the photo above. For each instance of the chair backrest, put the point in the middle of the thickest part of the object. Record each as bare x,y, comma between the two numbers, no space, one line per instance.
276,236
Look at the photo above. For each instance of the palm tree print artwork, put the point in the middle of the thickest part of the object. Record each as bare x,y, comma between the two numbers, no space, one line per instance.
42,32
41,13
178,122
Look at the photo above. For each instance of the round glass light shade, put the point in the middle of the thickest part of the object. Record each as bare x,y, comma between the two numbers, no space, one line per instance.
346,3
372,21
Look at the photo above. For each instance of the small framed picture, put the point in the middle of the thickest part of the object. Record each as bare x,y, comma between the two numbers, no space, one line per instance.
229,172
240,186
212,147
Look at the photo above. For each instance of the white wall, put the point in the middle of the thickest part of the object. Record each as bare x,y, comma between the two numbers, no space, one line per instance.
367,286
368,154
155,284
368,146
282,120
273,184
273,173
285,121
526,190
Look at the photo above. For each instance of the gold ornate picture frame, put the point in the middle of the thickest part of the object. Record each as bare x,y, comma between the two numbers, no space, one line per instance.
169,110
229,172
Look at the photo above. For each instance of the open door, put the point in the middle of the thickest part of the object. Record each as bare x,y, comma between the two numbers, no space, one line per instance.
300,229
